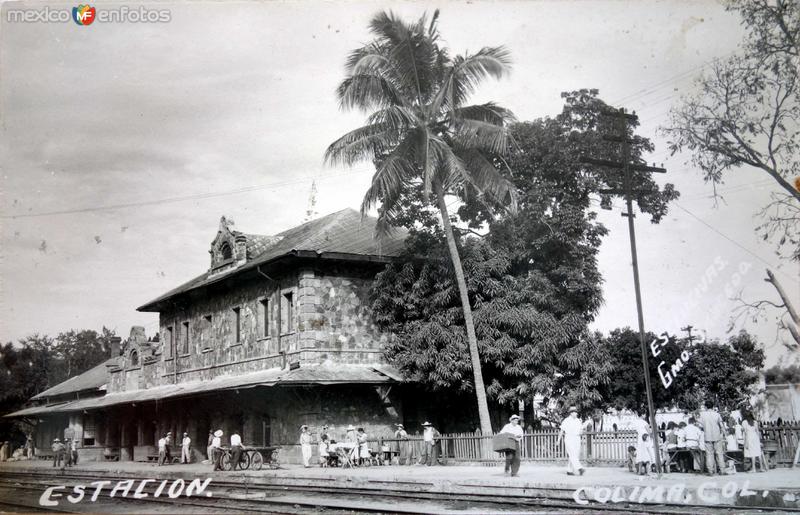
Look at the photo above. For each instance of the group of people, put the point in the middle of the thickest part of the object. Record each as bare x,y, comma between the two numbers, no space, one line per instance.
165,451
214,450
356,446
65,454
705,437
708,439
25,452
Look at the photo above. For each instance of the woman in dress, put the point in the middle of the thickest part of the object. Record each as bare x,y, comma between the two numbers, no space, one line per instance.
752,442
363,446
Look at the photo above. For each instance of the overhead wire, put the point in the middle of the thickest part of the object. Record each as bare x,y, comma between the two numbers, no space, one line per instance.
182,198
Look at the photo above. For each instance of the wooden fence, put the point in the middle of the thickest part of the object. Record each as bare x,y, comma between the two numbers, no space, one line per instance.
541,446
783,438
598,447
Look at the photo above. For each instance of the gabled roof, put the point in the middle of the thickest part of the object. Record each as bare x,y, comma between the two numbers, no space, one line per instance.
93,379
345,232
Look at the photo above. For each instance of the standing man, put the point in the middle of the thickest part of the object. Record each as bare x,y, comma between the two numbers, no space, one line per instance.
3,449
714,433
305,445
73,449
68,451
693,436
162,450
58,453
216,443
571,429
185,458
209,452
236,450
403,445
29,446
167,450
429,436
512,457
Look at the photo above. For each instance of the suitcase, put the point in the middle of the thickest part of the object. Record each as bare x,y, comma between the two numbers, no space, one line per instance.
504,442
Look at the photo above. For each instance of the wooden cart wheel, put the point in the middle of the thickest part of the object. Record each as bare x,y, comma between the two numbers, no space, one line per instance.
273,460
244,461
225,461
256,460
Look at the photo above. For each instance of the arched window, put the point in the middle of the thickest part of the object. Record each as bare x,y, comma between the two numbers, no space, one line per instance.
134,358
226,251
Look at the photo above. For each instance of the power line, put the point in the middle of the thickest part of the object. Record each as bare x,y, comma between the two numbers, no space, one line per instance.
715,230
720,233
179,199
668,81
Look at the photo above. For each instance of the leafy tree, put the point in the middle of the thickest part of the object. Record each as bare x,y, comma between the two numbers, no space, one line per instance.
780,375
23,374
76,352
747,112
532,280
524,345
721,372
422,133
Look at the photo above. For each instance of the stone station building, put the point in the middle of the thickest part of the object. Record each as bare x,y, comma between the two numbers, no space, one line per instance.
275,334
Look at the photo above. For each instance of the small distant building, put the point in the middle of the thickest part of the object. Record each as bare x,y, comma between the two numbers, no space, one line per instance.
275,334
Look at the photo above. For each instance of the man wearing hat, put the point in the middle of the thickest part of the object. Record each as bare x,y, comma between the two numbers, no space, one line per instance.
58,453
429,436
162,450
571,429
216,443
167,451
403,445
512,456
208,445
305,445
185,443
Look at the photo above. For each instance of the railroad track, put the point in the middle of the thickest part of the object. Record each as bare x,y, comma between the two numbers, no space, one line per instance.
296,497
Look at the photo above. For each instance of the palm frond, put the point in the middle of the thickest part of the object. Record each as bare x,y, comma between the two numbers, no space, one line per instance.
470,70
489,112
487,179
412,53
393,172
448,168
367,92
362,144
398,117
481,135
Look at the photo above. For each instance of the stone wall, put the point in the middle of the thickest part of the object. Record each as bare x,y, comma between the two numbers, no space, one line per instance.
329,321
335,320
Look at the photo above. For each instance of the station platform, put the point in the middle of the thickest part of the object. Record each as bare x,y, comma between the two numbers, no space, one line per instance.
776,489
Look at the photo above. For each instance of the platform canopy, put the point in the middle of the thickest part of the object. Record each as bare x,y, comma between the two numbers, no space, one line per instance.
306,375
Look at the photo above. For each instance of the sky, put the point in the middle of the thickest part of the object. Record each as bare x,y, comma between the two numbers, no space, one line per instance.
123,144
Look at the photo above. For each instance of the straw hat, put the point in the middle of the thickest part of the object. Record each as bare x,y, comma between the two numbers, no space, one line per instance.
55,440
513,417
400,426
218,433
351,428
573,409
426,424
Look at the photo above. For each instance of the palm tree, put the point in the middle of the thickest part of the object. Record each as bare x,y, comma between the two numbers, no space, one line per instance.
420,133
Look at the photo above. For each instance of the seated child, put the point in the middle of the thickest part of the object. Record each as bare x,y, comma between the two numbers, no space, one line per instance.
644,455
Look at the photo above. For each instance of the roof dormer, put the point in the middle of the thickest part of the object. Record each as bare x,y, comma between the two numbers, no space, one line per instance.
229,248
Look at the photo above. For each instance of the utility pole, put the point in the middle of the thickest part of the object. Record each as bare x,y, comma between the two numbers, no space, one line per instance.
688,330
622,119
